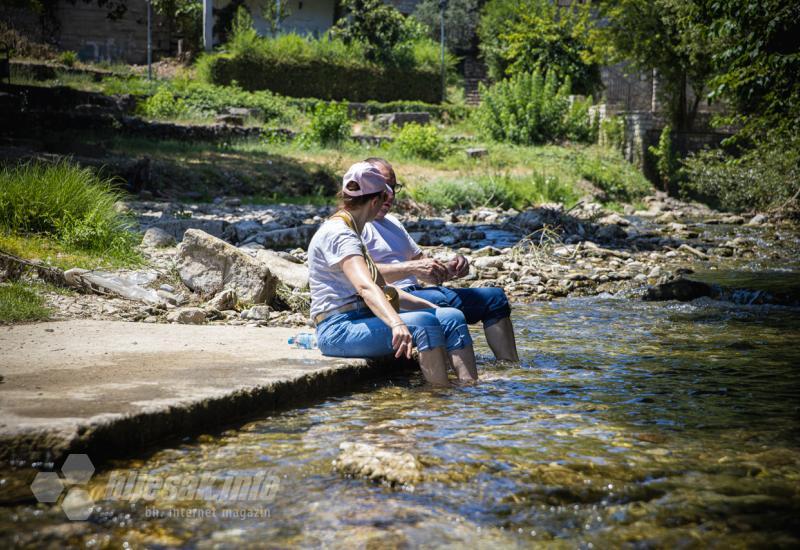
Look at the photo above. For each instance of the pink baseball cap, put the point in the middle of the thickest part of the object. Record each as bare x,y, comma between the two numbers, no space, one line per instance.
369,180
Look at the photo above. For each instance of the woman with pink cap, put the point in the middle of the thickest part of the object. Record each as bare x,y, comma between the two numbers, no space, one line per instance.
357,314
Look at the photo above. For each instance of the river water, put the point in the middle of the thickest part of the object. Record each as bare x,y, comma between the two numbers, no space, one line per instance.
627,422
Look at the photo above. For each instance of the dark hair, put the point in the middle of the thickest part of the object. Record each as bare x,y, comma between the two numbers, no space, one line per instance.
383,163
351,203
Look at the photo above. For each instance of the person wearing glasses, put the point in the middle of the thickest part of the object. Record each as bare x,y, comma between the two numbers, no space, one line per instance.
403,264
356,313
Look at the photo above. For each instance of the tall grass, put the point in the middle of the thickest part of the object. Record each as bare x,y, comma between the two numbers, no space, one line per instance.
504,191
67,203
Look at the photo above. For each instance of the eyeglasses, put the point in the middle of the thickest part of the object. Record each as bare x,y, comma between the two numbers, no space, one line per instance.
397,187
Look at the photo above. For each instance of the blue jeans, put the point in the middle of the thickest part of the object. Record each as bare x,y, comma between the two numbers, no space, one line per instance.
358,333
489,305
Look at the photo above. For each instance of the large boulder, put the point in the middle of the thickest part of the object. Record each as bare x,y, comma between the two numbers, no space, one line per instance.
208,265
683,290
292,274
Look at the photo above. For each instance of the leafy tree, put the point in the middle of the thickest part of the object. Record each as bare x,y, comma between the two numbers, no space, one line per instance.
539,35
460,22
379,26
186,17
666,35
756,64
274,12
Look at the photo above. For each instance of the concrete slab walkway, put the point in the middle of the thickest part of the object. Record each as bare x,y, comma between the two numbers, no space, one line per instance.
115,388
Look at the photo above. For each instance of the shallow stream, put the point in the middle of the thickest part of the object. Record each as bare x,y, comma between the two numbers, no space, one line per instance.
662,424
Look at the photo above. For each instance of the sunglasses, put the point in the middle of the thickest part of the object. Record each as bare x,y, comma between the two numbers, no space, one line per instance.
396,187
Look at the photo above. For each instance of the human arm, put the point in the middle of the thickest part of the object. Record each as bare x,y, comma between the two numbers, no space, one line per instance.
410,302
426,269
356,271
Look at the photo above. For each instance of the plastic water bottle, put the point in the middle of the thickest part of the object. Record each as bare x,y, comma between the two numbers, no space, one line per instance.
304,340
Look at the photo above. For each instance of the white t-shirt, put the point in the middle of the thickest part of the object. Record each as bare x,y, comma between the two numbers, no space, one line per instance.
388,242
330,288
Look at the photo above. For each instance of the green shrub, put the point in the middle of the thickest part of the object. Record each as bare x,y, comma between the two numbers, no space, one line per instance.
531,109
503,191
619,180
163,104
415,140
18,302
68,58
330,124
68,203
766,177
612,133
666,159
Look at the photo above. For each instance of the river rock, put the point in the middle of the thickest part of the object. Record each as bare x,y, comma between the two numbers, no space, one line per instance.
292,274
178,227
758,219
208,265
187,316
683,290
610,233
256,313
287,238
376,464
156,237
245,228
224,300
485,262
614,219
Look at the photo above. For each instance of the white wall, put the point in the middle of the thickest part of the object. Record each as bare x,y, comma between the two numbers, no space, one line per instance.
305,16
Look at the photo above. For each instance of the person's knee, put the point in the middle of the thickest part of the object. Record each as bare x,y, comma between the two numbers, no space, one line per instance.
419,318
425,328
454,326
450,316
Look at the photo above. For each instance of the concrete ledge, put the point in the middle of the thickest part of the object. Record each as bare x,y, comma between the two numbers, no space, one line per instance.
113,389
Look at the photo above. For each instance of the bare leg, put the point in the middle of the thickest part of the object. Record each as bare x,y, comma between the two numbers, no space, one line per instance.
464,364
500,337
434,366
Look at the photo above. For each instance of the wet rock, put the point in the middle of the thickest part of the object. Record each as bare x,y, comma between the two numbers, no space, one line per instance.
378,465
208,265
224,300
187,316
245,228
292,274
157,238
683,290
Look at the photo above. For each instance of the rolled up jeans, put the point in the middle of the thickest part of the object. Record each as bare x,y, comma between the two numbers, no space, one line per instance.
359,333
489,304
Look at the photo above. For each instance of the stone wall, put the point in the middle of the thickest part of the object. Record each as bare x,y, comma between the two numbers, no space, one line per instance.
86,28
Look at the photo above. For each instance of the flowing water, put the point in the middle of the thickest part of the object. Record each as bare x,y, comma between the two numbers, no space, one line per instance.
667,425
628,422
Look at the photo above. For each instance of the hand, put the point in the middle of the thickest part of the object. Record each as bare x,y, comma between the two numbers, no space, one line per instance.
402,341
430,270
458,267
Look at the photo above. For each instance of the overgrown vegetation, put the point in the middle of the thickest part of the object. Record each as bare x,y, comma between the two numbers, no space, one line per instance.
363,59
666,159
766,177
68,204
20,302
496,190
529,109
619,180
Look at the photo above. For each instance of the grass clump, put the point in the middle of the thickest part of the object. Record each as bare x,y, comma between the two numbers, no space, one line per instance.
503,191
416,140
619,180
19,302
65,203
